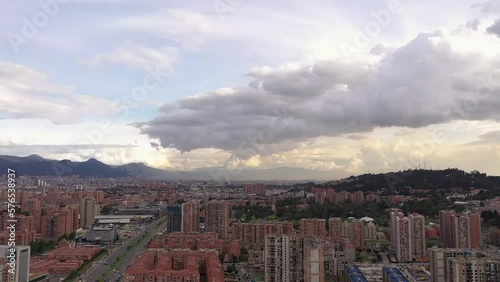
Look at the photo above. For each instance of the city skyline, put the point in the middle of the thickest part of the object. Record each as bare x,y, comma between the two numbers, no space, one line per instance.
429,226
347,88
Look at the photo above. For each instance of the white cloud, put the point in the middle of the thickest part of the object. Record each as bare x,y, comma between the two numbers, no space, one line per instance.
189,29
137,57
27,93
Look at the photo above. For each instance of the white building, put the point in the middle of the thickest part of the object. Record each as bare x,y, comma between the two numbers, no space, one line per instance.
20,260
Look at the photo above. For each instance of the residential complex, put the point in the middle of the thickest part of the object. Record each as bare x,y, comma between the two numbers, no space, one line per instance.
197,232
407,235
88,210
217,218
460,230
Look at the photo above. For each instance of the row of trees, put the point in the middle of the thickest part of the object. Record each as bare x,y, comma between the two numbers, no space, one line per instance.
40,247
327,210
294,209
250,212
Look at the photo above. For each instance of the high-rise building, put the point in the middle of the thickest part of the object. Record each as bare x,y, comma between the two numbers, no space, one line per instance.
174,218
293,258
445,228
313,226
403,242
440,265
88,210
217,218
418,235
370,231
408,235
22,263
473,269
190,217
253,234
460,230
277,258
394,213
358,233
314,262
296,257
55,222
335,227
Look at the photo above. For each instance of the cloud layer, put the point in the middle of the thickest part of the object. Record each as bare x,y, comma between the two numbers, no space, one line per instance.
27,93
422,83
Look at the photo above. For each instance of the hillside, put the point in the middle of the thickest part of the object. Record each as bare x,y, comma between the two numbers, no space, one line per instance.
418,179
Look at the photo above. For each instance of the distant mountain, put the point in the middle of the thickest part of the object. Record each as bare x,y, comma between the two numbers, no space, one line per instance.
144,171
35,157
35,165
269,174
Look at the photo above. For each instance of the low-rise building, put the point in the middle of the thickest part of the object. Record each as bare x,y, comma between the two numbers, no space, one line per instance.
101,235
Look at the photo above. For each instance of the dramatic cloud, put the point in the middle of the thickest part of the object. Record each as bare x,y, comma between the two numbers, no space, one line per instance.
422,83
303,100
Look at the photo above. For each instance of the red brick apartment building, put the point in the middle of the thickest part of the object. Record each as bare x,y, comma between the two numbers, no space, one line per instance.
255,233
176,265
460,230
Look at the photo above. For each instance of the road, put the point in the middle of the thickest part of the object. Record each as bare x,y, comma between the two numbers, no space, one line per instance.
99,268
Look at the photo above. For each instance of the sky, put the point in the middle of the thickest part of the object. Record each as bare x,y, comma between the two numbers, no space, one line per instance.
344,86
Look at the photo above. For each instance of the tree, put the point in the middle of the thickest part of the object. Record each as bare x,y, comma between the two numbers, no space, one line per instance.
231,268
107,209
244,251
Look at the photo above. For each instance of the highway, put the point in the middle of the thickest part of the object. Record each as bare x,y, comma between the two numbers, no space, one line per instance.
99,268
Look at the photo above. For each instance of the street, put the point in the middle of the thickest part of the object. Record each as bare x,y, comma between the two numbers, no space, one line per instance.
99,268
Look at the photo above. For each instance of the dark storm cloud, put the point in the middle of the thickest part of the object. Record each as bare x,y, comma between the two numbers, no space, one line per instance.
416,85
495,28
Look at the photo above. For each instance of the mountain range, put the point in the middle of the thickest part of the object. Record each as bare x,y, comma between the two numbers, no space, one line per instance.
35,165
